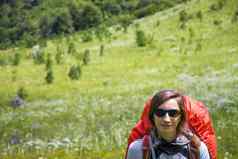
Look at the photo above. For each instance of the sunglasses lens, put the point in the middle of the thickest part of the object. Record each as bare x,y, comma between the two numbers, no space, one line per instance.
171,112
160,112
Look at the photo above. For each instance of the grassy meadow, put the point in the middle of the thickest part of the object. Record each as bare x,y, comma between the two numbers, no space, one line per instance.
91,117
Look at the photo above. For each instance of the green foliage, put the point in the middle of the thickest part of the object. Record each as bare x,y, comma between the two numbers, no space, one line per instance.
49,62
16,59
49,78
75,72
38,54
87,36
148,10
125,21
59,54
71,48
101,53
235,16
217,6
217,22
86,16
140,38
86,57
183,16
199,15
112,8
22,92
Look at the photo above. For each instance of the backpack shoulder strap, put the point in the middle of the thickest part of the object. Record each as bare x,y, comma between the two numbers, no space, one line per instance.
146,147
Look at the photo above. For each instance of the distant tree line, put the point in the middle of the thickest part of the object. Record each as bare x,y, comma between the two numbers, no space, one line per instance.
27,21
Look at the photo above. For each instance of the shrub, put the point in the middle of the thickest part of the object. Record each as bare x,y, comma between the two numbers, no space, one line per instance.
217,6
56,23
71,48
112,8
217,22
62,22
140,38
22,93
87,36
49,62
59,55
148,10
86,16
101,53
16,59
235,16
86,57
199,15
49,76
183,16
125,21
38,54
74,72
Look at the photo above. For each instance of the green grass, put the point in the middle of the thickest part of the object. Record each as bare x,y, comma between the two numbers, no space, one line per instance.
92,116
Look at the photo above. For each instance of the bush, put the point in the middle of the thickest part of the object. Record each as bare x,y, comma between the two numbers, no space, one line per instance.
87,36
183,16
49,62
71,48
125,21
59,54
74,72
62,22
217,6
38,54
101,53
49,76
235,16
140,38
86,57
86,16
16,59
199,15
22,93
148,10
56,23
112,8
217,22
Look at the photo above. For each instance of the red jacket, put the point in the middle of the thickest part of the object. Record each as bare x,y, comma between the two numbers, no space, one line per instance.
198,120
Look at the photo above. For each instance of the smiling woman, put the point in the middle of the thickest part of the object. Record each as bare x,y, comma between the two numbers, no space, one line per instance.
169,136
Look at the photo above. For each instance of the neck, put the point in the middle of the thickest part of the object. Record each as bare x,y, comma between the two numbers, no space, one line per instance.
167,136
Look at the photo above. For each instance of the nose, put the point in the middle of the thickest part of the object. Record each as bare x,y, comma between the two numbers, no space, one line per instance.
166,118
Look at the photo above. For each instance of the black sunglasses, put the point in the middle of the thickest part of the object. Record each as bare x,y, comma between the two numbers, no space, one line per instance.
171,112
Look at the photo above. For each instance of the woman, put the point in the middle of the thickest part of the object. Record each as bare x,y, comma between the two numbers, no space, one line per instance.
169,138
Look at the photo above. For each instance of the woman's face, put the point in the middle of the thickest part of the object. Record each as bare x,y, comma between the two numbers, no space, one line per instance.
167,118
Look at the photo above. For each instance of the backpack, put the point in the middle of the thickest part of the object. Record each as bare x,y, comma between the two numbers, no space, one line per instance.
199,122
184,148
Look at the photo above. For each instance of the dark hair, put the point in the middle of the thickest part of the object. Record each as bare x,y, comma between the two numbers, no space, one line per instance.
163,96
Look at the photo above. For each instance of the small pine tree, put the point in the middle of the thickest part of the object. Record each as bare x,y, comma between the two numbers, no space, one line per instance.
22,93
183,16
38,54
59,55
199,15
101,53
49,78
71,48
86,57
16,59
140,38
74,72
49,62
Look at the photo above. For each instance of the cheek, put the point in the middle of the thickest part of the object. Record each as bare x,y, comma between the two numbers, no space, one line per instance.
177,121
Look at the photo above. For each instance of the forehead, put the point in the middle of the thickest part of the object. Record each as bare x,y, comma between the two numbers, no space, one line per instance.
170,104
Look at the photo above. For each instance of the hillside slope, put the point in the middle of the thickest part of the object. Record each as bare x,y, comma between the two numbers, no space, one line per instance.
192,47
